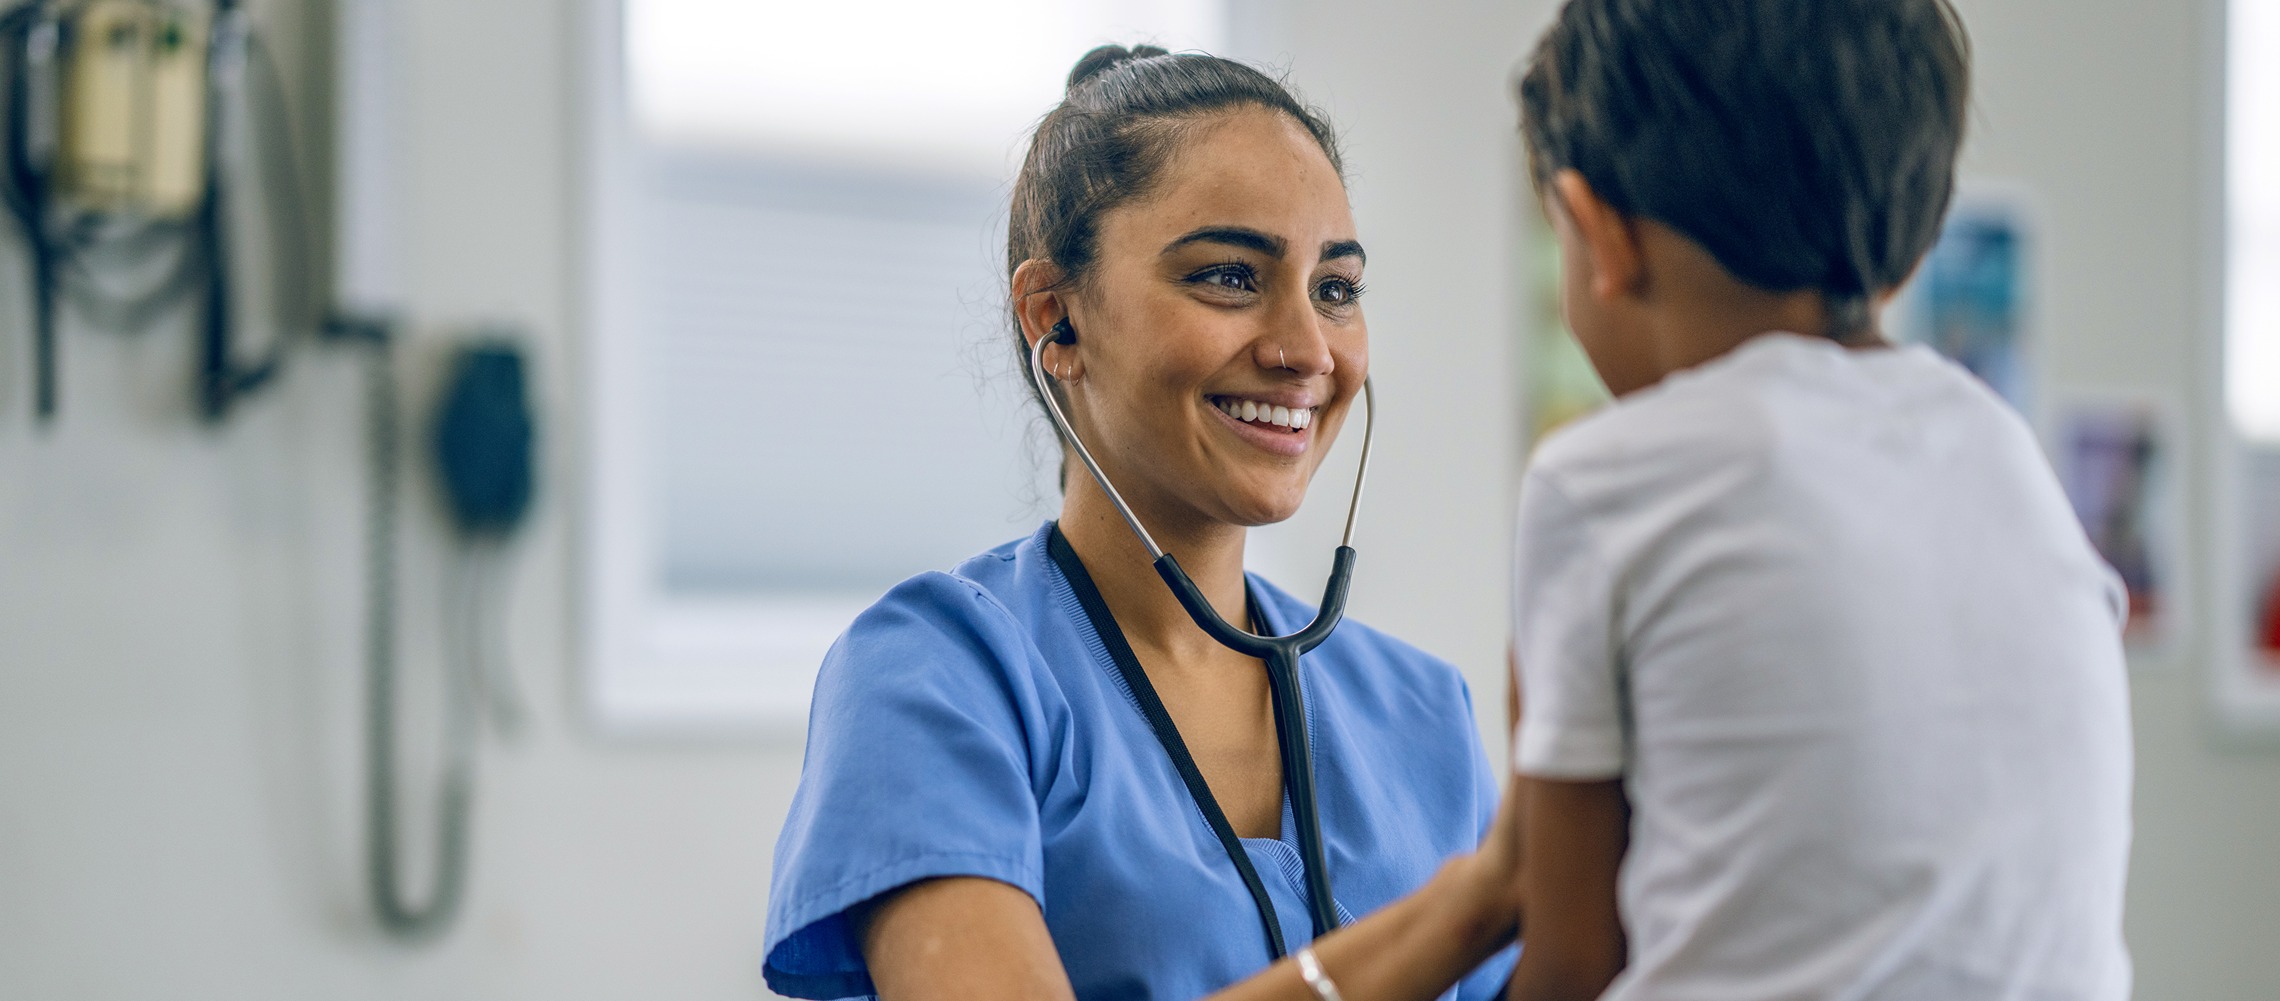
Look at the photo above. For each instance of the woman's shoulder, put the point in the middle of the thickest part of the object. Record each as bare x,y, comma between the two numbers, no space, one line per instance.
970,609
984,591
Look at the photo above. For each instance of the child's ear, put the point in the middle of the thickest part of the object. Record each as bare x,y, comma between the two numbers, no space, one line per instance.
1608,237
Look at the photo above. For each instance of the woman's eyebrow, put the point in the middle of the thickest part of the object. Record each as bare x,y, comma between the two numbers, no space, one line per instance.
1272,246
1233,236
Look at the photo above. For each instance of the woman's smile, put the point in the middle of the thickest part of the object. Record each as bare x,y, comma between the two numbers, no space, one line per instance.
1279,423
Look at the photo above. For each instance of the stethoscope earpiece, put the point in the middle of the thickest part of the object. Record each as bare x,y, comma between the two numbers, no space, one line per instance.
1063,333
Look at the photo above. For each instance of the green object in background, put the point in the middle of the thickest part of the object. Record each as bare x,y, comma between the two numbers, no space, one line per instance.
1561,383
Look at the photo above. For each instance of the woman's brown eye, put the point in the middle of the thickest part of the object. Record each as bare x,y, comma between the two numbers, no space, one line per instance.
1337,291
1235,277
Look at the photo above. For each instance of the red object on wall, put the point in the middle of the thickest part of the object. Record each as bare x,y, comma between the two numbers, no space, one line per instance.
2268,628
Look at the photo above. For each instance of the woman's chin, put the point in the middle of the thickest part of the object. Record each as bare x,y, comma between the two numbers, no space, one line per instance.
1260,512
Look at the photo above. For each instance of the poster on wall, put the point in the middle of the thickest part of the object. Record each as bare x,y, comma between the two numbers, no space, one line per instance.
2247,675
1972,297
2117,457
2268,626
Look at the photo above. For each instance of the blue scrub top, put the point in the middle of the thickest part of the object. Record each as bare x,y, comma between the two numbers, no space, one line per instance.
972,723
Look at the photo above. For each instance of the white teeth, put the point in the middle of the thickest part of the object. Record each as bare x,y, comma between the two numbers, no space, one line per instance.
1297,419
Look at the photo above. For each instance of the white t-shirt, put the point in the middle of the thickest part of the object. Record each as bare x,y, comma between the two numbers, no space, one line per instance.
1828,616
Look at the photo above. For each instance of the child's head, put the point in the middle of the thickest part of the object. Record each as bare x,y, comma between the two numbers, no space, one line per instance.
1806,147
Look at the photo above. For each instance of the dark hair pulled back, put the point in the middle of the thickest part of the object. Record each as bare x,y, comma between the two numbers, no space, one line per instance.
1806,144
1125,113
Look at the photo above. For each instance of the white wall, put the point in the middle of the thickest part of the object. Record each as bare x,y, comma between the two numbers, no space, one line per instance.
178,617
179,639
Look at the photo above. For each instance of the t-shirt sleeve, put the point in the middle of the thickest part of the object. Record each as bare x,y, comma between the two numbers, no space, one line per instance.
1571,720
918,766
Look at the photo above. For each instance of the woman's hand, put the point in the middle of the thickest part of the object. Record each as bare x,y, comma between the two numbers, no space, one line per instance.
1501,851
1498,867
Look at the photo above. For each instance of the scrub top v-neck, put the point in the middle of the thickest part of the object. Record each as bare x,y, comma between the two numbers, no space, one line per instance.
1136,682
977,723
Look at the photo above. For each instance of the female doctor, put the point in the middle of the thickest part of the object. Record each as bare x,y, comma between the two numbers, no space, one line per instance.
985,809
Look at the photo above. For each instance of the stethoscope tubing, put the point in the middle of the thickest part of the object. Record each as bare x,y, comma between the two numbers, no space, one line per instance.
1280,653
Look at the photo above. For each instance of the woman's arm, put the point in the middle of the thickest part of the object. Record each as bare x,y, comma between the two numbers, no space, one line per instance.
961,938
969,938
1576,834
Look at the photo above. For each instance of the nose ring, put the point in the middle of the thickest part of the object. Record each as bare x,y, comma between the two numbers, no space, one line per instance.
1280,357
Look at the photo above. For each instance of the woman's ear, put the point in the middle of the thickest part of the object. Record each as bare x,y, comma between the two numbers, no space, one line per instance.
1040,305
1608,238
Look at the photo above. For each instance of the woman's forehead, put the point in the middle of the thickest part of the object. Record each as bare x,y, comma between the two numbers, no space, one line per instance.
1253,169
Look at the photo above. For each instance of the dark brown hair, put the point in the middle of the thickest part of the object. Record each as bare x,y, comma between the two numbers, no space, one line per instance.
1124,114
1806,144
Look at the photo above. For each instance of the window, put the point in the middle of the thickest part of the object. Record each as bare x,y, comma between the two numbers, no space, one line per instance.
801,379
2247,681
2252,169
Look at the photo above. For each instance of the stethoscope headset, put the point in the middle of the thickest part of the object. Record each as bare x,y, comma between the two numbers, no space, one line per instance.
1280,653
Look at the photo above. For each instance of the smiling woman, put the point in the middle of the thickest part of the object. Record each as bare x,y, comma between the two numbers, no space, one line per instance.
1035,776
1186,319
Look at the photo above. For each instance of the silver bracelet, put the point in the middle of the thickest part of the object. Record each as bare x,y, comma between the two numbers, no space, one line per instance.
1310,970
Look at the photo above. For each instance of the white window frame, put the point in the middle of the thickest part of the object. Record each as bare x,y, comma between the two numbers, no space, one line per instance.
2244,697
651,667
2233,225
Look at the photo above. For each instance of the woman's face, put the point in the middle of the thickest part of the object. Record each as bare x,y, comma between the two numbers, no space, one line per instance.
1220,343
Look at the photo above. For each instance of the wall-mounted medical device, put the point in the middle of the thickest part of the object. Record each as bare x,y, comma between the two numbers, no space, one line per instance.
481,441
133,110
133,134
113,135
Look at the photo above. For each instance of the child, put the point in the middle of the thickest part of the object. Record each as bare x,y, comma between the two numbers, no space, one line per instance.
1823,694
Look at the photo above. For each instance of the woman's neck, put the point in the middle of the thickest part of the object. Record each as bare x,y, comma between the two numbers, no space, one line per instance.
1151,617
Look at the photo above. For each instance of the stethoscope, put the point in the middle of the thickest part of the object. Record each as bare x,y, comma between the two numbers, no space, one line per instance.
1280,653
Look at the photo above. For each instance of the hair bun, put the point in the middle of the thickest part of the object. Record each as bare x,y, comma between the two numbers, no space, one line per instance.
1104,58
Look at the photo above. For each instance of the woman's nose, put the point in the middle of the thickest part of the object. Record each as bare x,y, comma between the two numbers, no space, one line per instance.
1297,343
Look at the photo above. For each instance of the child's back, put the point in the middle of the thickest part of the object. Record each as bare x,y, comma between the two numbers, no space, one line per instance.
1823,693
1866,702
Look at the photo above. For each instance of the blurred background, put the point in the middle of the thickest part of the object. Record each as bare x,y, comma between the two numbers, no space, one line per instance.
439,437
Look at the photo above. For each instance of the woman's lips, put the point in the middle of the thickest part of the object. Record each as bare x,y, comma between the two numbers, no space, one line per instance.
1278,439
